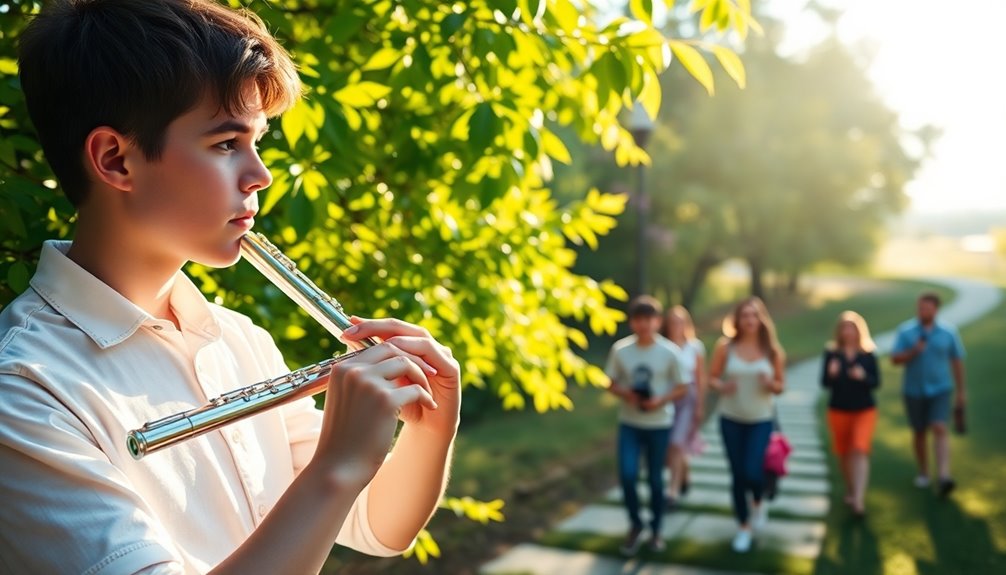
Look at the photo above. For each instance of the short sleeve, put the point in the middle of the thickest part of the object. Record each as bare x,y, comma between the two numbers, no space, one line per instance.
901,342
614,369
957,349
674,374
66,508
700,348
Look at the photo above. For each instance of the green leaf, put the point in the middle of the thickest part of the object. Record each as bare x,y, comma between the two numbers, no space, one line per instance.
383,58
642,10
17,277
8,66
731,64
303,119
532,10
554,147
651,94
483,126
345,26
452,23
694,63
362,94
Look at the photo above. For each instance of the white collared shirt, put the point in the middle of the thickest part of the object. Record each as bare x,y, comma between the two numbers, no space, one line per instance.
80,365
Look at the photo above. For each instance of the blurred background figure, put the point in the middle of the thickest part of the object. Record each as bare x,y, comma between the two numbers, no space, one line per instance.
930,350
849,370
690,409
645,373
747,369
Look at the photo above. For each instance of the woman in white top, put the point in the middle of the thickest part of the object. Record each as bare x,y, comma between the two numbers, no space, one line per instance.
690,409
747,370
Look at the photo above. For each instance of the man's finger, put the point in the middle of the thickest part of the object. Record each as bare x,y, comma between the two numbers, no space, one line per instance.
383,328
429,350
385,350
403,396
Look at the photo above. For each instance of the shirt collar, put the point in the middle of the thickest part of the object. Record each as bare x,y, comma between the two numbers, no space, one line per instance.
104,314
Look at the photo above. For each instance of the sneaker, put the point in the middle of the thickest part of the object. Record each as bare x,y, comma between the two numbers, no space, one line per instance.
632,542
922,481
657,544
760,514
947,486
670,503
742,541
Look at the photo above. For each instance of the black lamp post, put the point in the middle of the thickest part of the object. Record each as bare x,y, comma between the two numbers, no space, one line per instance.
641,126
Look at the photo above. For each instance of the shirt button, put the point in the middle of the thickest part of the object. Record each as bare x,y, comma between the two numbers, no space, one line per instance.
261,510
157,327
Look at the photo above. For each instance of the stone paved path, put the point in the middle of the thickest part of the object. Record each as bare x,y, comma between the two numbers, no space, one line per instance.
796,525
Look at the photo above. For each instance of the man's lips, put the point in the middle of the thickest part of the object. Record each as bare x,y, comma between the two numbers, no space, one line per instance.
244,220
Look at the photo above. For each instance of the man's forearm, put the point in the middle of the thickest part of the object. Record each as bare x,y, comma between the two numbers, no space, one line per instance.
959,379
409,486
903,357
298,534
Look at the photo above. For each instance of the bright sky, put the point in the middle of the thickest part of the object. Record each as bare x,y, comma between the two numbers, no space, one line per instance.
937,63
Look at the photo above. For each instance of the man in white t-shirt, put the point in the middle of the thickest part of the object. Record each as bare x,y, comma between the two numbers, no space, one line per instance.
645,373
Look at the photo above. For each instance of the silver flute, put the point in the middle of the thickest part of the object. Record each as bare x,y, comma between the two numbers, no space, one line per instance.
247,401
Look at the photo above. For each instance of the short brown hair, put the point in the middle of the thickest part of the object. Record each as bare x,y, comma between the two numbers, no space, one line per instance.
931,297
644,306
135,66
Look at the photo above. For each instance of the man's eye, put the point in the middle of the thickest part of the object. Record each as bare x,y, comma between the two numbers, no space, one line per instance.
228,145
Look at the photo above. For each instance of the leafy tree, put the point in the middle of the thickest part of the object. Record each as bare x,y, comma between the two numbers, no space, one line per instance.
412,180
802,166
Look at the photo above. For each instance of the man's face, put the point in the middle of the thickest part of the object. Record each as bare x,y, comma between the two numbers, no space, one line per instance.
927,311
645,325
197,200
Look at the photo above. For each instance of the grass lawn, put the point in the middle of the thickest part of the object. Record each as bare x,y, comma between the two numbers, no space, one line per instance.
910,531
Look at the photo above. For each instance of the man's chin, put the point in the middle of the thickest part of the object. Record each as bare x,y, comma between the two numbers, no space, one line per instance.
223,257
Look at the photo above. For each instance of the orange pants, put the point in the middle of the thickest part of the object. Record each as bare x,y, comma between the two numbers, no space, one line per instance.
852,429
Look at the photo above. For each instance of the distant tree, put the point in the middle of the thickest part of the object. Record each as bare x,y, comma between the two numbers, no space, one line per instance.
802,166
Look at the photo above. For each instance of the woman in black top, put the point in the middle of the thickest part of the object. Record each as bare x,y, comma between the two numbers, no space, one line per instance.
850,371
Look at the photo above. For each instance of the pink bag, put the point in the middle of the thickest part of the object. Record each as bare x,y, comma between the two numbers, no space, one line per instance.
776,454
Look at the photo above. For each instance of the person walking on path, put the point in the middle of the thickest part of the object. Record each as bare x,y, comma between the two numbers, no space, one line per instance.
747,370
933,356
850,371
646,374
690,409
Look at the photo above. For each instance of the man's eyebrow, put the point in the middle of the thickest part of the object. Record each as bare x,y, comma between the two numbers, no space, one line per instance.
228,126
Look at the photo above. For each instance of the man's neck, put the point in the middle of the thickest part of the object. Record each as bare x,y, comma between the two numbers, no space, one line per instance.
140,276
927,324
645,340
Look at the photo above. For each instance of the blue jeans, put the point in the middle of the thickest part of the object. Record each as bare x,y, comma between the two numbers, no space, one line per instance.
651,444
745,445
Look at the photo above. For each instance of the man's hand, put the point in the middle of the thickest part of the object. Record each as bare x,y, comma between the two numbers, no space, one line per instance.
436,362
834,367
767,382
364,397
857,372
728,388
653,403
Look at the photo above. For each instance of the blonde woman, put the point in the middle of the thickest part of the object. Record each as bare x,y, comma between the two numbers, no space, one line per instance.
850,371
747,369
690,409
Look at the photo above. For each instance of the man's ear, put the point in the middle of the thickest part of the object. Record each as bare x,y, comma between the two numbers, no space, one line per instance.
107,155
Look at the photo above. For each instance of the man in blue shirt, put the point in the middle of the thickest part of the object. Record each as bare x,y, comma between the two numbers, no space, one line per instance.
932,354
